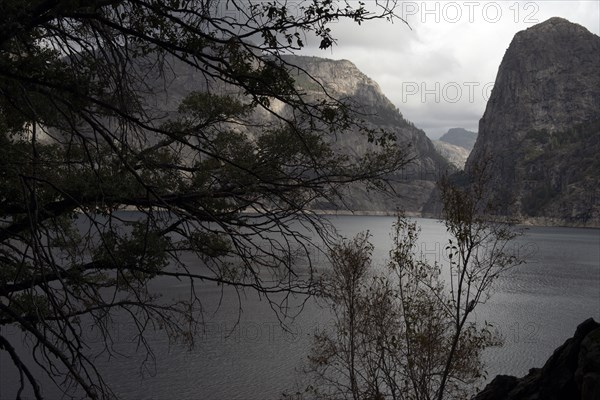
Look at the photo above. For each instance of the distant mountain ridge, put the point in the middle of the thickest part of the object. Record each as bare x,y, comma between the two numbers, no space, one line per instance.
456,145
540,133
460,137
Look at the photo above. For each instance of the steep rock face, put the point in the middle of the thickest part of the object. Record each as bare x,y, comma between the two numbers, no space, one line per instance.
342,80
571,373
456,155
540,133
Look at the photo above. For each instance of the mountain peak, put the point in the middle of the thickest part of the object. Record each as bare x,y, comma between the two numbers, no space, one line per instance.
553,27
556,23
340,77
543,70
460,137
540,125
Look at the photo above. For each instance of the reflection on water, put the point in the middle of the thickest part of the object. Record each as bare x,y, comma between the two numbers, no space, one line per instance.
538,305
249,356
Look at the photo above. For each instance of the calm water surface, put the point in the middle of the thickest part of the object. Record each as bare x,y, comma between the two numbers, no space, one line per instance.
536,307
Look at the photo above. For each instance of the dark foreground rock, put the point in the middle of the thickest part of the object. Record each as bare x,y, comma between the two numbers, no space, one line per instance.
571,373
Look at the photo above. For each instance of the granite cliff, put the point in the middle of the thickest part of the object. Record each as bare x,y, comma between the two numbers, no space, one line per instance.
540,133
341,80
456,155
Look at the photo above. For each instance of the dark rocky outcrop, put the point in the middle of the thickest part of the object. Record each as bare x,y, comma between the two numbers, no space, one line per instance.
540,133
571,373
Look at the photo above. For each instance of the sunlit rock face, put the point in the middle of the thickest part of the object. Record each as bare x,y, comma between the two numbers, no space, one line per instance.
456,145
320,78
342,80
456,155
540,133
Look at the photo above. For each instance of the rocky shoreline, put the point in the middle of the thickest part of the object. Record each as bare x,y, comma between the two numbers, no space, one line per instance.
525,222
557,222
571,373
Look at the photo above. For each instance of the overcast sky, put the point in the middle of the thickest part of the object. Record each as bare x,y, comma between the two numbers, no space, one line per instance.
440,73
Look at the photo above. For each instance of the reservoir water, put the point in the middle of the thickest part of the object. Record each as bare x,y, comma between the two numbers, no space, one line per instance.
248,355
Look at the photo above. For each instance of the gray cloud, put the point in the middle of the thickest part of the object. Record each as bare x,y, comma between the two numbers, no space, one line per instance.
440,57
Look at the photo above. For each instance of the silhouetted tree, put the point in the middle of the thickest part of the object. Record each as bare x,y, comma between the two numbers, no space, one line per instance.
82,145
407,333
